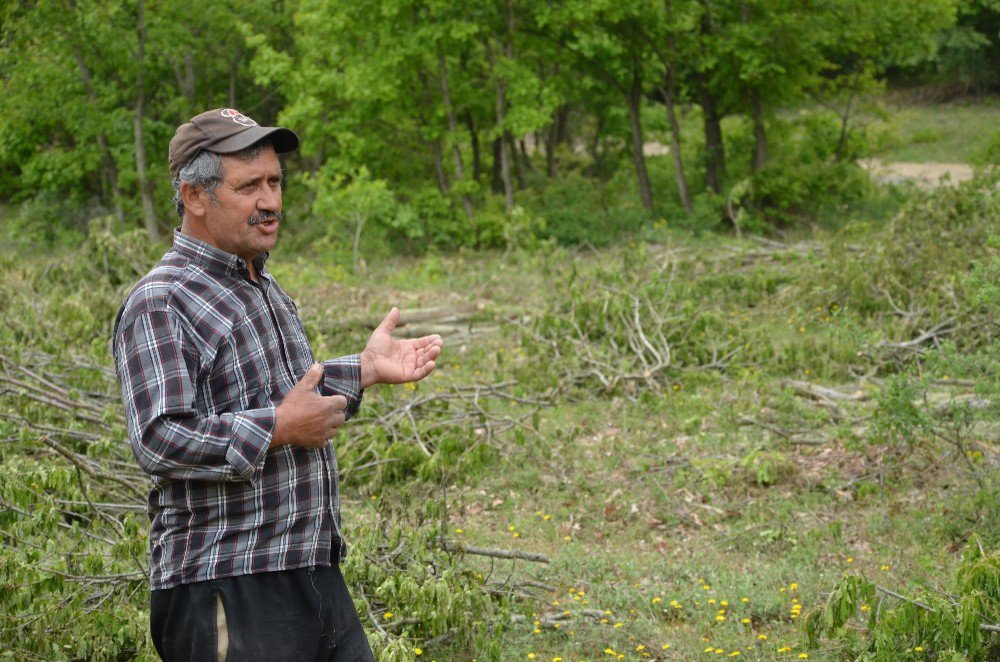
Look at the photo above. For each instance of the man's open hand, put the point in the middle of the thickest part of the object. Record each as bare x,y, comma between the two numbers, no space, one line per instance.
388,360
306,418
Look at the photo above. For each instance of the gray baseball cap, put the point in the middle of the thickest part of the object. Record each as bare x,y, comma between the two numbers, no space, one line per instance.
224,131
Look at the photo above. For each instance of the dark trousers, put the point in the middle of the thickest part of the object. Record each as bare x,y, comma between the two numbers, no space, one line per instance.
294,615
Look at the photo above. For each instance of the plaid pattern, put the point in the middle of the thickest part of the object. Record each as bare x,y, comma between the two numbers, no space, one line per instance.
204,355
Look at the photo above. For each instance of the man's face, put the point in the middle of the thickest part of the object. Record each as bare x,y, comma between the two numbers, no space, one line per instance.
248,190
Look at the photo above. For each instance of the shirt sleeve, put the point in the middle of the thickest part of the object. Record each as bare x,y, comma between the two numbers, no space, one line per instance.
342,376
157,362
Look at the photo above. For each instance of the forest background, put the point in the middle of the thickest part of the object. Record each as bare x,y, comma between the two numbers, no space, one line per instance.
711,373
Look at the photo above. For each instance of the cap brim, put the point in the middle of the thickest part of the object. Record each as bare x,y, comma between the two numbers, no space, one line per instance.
284,140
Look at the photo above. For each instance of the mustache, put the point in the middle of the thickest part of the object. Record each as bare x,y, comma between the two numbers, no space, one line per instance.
265,215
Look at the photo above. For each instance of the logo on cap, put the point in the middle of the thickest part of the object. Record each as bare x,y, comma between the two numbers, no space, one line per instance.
238,117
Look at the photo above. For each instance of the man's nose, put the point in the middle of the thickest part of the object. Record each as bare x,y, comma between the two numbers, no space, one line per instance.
270,199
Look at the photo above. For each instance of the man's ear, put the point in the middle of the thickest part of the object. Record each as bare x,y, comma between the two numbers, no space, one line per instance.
195,199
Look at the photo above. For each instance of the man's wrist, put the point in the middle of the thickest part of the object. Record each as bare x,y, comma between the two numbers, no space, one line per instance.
368,377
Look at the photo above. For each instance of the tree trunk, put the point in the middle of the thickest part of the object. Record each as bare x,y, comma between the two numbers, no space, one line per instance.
452,128
633,99
550,148
109,169
145,190
496,184
715,155
477,157
756,113
501,151
504,149
759,133
442,177
434,144
516,161
522,150
675,145
845,117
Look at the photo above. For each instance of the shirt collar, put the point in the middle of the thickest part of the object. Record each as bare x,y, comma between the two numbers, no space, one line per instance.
212,257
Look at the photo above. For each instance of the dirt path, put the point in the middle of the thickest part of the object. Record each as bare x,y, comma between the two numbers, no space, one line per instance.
928,174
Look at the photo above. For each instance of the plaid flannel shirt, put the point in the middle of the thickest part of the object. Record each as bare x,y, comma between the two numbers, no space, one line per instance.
204,355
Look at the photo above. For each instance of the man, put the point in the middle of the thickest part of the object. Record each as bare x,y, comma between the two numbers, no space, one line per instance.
230,414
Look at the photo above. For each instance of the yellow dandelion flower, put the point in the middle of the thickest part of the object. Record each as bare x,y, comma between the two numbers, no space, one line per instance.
719,651
865,608
762,637
459,531
884,568
784,649
655,600
709,649
604,621
517,535
640,647
734,654
531,656
707,587
566,538
665,646
745,621
618,624
724,603
850,559
720,618
418,651
793,586
387,615
803,656
511,527
711,601
744,599
547,518
608,612
538,631
555,625
608,651
918,649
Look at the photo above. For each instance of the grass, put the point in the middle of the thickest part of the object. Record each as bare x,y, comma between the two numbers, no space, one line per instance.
656,501
955,132
670,498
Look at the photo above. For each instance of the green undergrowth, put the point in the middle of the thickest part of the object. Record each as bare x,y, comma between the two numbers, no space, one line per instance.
702,435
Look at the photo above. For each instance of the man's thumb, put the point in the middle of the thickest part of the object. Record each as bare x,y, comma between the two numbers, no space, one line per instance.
311,379
390,321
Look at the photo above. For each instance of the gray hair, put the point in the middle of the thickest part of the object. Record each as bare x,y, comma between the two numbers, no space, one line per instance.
205,170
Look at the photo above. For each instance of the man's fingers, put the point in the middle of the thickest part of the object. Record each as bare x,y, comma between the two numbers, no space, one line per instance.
336,402
311,379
